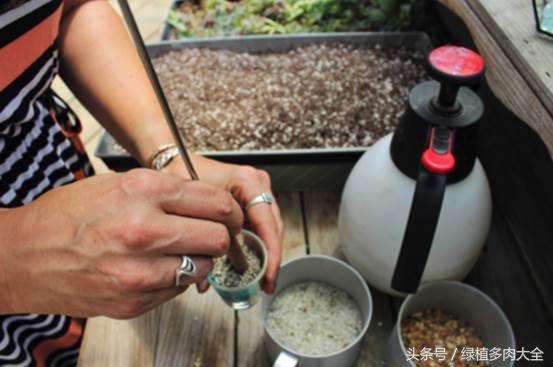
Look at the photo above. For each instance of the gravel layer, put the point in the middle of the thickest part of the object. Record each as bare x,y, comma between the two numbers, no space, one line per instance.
318,96
443,332
314,318
225,275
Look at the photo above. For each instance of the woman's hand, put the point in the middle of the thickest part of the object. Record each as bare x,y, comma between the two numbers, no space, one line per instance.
110,80
245,183
110,245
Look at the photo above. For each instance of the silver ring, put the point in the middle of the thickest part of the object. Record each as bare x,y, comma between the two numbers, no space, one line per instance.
264,198
187,268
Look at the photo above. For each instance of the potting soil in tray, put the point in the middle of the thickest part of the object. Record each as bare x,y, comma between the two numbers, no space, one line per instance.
318,96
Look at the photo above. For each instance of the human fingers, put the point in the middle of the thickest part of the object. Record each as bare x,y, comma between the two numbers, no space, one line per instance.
266,180
182,197
204,201
202,286
262,220
160,234
151,274
276,214
201,267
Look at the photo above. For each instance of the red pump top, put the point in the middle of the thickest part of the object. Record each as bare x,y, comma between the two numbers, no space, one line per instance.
456,61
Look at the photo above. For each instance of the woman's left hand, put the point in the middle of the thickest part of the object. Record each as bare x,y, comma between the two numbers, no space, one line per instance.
244,183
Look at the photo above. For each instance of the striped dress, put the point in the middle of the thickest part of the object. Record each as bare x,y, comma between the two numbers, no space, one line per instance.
37,153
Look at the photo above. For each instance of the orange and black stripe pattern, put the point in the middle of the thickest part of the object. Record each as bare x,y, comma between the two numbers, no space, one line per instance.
36,155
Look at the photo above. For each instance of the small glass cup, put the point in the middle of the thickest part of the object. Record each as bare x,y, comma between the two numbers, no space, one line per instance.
246,296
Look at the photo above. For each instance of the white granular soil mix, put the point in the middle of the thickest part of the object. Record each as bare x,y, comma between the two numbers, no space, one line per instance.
314,318
225,275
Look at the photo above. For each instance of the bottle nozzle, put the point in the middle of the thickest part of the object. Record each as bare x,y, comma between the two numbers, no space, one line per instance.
453,67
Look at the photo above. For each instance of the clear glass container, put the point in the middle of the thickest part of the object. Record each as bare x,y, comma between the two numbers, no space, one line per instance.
543,12
246,296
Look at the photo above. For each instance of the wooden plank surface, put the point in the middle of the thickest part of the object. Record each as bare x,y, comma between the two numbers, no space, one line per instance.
195,330
191,330
521,177
107,342
512,23
250,352
321,212
502,276
503,76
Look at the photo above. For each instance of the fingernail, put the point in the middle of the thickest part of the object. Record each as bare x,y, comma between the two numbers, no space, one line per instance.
203,286
266,286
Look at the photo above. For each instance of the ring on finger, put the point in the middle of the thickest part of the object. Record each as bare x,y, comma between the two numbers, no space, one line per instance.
263,198
187,269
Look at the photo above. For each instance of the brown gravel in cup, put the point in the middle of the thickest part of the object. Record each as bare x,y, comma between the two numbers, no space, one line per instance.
438,329
314,318
318,96
225,275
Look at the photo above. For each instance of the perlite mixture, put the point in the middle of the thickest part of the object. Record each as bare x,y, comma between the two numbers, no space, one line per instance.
440,331
314,318
318,96
225,275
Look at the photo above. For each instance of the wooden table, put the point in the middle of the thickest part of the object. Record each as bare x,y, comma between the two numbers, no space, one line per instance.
515,268
200,330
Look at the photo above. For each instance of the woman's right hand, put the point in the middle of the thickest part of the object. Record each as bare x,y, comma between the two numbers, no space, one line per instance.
109,245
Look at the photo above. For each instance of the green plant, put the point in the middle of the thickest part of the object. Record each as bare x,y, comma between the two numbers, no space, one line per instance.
223,18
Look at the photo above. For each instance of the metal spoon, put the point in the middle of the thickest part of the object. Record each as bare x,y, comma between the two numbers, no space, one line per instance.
235,254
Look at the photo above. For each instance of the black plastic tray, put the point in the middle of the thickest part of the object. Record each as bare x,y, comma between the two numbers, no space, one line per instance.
291,170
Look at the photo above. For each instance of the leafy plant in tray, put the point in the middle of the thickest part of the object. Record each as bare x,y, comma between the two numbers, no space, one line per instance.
208,18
